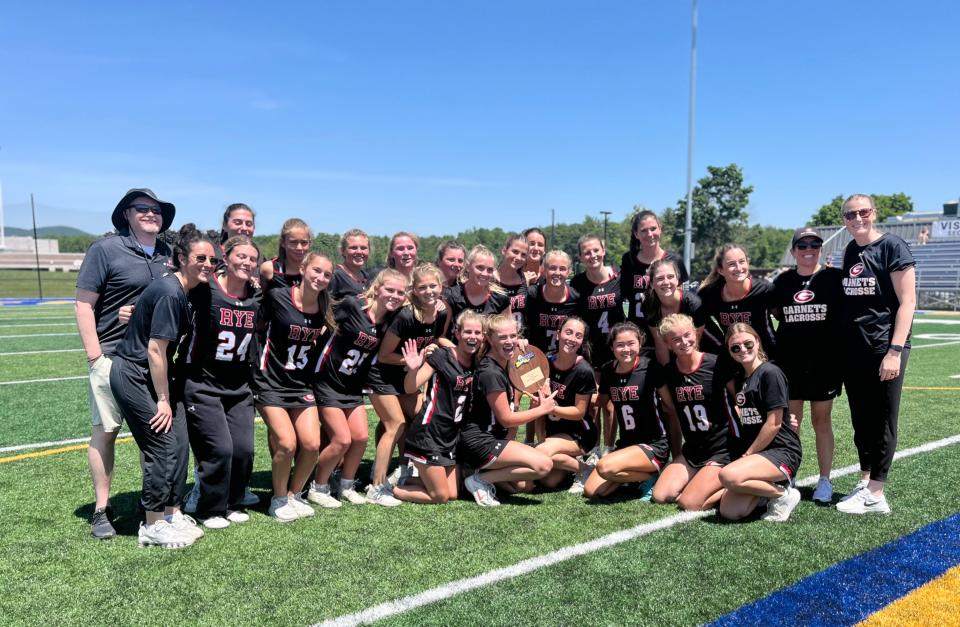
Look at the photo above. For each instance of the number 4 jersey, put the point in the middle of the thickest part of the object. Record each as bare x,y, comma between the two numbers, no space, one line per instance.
221,347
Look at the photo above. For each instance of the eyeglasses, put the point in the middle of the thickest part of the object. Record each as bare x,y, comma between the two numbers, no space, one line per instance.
204,259
850,216
140,208
746,346
806,245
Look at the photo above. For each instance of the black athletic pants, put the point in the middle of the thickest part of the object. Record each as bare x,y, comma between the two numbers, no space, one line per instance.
220,424
164,454
874,409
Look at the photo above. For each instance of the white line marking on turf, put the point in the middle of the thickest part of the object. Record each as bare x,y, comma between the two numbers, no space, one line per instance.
38,324
441,593
936,345
43,380
12,337
55,350
27,447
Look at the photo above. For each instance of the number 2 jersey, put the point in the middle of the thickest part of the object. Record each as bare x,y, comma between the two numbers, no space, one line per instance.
700,398
600,306
346,356
437,427
568,384
635,401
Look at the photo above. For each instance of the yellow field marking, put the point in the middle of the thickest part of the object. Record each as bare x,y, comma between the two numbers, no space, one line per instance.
934,603
953,388
53,451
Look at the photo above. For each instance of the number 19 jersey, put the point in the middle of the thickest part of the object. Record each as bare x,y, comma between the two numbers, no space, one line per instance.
703,408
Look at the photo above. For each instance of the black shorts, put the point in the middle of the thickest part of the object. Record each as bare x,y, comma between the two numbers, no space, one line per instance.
386,379
822,383
430,458
288,399
480,450
585,438
658,452
326,396
698,458
783,458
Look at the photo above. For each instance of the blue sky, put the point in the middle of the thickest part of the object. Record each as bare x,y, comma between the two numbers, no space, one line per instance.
440,116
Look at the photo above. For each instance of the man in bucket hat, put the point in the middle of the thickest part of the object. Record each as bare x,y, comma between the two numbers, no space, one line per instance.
115,271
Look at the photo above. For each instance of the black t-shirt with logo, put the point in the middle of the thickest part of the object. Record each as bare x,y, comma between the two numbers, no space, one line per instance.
870,303
700,398
518,299
222,346
163,312
346,357
291,341
568,384
758,394
635,400
487,379
457,302
634,283
752,309
544,319
600,306
808,311
342,284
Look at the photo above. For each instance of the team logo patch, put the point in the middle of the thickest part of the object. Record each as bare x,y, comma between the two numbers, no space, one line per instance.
309,398
741,399
857,269
803,296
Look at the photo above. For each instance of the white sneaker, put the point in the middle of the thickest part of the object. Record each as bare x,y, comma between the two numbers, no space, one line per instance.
824,491
303,508
320,494
779,509
483,493
865,503
407,471
394,477
249,499
282,509
187,524
348,492
382,495
216,522
162,533
235,516
861,485
190,503
580,480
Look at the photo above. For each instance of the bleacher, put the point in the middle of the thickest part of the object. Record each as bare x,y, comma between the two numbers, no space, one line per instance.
65,262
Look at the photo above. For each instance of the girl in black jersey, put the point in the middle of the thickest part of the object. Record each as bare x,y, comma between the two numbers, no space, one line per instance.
764,447
296,318
431,438
631,390
536,247
349,278
341,375
698,393
402,253
569,430
420,321
486,442
284,269
599,304
477,289
807,304
666,297
645,233
215,377
450,256
140,382
879,287
509,275
550,303
730,295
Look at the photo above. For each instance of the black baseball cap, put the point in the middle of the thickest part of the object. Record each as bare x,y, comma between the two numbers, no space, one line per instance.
803,233
167,210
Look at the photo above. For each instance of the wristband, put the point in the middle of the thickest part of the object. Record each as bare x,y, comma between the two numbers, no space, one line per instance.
897,348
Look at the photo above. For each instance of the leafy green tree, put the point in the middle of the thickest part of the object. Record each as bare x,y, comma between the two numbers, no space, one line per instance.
764,244
887,206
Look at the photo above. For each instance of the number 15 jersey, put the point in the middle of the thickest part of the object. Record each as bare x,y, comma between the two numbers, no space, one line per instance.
290,347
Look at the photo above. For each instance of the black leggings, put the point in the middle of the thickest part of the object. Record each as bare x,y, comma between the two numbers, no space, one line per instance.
164,454
874,409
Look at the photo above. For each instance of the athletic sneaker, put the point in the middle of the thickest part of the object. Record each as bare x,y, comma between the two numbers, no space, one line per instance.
303,508
780,508
236,516
382,495
394,477
100,526
484,493
865,503
190,503
320,494
580,480
824,491
407,472
646,488
249,499
348,492
162,533
283,510
861,485
186,524
216,522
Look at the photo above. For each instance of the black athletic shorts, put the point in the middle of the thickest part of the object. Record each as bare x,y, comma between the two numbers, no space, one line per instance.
698,458
783,458
479,450
430,458
326,396
812,384
658,452
386,379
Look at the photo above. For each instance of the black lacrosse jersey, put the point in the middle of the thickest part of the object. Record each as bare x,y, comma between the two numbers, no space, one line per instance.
437,426
346,357
163,312
634,283
456,299
763,391
752,309
283,276
406,327
601,307
568,384
342,284
290,343
700,398
808,311
488,378
518,300
544,319
222,345
635,401
870,303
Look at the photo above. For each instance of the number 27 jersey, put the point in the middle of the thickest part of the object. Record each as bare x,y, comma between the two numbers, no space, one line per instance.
346,358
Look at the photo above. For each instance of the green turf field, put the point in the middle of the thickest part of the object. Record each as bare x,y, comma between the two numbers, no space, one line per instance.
347,560
23,284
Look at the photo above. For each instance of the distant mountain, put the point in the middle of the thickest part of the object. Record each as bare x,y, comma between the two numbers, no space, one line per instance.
43,231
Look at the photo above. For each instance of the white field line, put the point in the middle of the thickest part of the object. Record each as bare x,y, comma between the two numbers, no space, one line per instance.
38,324
22,318
14,337
55,350
441,593
935,345
27,447
43,380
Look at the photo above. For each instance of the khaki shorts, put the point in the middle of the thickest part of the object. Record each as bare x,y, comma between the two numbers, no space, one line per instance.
103,408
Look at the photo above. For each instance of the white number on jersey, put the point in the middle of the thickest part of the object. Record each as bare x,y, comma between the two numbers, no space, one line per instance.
225,347
458,412
699,415
551,340
353,361
604,322
626,412
297,357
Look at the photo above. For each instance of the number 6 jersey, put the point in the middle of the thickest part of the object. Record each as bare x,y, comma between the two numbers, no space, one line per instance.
635,401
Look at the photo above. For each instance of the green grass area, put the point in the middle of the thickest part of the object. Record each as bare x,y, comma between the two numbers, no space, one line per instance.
23,284
346,560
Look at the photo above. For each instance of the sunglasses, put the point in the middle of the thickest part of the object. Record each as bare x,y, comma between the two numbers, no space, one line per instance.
140,208
746,346
850,216
806,245
205,259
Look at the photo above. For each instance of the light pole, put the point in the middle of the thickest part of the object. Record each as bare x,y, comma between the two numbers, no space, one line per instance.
605,214
688,225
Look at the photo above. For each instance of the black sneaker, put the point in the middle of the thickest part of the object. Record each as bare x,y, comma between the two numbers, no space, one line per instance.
101,528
